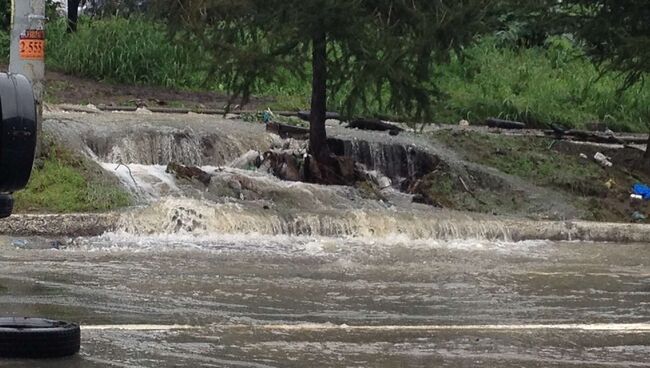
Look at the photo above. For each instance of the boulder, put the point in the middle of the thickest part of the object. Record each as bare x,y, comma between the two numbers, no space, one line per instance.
189,173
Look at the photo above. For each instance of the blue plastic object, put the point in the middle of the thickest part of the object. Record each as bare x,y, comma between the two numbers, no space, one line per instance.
267,117
642,190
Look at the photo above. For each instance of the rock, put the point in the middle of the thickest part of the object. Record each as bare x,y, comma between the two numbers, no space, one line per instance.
285,165
39,163
639,217
92,108
232,116
189,172
19,243
379,179
463,123
603,160
250,159
143,110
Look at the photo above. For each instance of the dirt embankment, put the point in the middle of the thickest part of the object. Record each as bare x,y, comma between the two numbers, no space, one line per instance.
66,89
601,192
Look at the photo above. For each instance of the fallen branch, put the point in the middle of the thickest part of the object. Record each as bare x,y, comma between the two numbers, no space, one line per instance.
287,131
460,178
594,137
306,115
130,174
374,125
504,124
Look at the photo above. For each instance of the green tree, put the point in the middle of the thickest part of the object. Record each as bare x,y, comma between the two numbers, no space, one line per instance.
616,34
367,51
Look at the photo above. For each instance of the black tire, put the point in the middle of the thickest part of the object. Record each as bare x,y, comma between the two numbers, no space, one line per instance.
6,205
36,338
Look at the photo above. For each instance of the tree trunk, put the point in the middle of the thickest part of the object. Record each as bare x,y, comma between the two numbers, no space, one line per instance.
317,135
73,15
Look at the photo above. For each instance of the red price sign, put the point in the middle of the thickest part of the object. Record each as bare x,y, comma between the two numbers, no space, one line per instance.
32,45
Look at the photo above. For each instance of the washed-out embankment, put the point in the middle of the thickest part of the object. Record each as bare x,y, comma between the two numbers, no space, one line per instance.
239,201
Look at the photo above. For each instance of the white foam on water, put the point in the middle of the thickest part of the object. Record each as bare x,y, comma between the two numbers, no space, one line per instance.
643,328
290,245
325,327
139,327
144,181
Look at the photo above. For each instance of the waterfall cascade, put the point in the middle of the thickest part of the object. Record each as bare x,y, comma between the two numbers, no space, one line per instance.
247,201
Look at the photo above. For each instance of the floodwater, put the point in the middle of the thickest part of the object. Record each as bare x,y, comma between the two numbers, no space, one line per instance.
229,301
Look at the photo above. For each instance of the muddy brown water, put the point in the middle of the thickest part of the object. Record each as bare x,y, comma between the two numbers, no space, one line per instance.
235,301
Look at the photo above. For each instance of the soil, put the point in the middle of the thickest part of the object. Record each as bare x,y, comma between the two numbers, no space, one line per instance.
67,89
602,192
629,168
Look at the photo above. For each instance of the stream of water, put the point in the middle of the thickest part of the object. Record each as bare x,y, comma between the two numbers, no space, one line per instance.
259,301
250,271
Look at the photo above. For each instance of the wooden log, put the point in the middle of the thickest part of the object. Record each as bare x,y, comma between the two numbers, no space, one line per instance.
287,131
595,137
504,124
304,115
375,125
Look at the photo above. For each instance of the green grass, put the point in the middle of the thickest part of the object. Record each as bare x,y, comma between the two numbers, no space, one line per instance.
67,183
530,159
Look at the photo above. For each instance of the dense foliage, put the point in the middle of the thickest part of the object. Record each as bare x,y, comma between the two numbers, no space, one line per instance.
616,34
519,72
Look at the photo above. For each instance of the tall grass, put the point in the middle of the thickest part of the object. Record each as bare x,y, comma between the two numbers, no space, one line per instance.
124,50
552,84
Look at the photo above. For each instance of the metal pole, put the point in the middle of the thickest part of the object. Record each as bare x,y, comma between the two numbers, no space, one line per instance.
28,48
